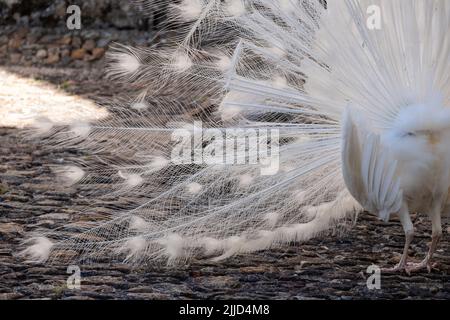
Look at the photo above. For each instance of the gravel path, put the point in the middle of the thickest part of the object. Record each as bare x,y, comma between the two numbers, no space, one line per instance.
333,267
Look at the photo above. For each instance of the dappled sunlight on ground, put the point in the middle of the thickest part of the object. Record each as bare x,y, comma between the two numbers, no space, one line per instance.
24,100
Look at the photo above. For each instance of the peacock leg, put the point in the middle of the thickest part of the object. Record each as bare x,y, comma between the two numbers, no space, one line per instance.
408,228
435,237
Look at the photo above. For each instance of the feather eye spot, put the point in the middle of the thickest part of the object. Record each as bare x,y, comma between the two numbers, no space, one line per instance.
189,10
38,251
132,180
42,126
235,8
134,248
181,62
271,218
245,180
141,105
194,188
70,175
138,224
173,245
123,64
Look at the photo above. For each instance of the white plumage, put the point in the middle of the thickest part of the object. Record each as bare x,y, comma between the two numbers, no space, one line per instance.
362,115
405,169
39,251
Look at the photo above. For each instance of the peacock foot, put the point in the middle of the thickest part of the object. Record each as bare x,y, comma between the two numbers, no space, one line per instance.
397,268
416,267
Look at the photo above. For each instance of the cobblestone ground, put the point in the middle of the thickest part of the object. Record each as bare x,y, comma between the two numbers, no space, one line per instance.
333,267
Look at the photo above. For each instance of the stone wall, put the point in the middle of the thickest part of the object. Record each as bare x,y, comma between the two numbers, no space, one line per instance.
34,32
121,14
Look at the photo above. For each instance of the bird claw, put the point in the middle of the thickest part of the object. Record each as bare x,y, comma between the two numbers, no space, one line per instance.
410,267
414,267
397,268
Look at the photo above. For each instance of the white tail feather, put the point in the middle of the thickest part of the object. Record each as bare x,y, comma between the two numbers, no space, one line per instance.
284,66
38,251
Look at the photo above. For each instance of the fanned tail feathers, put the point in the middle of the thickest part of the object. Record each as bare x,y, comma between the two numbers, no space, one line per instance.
285,70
